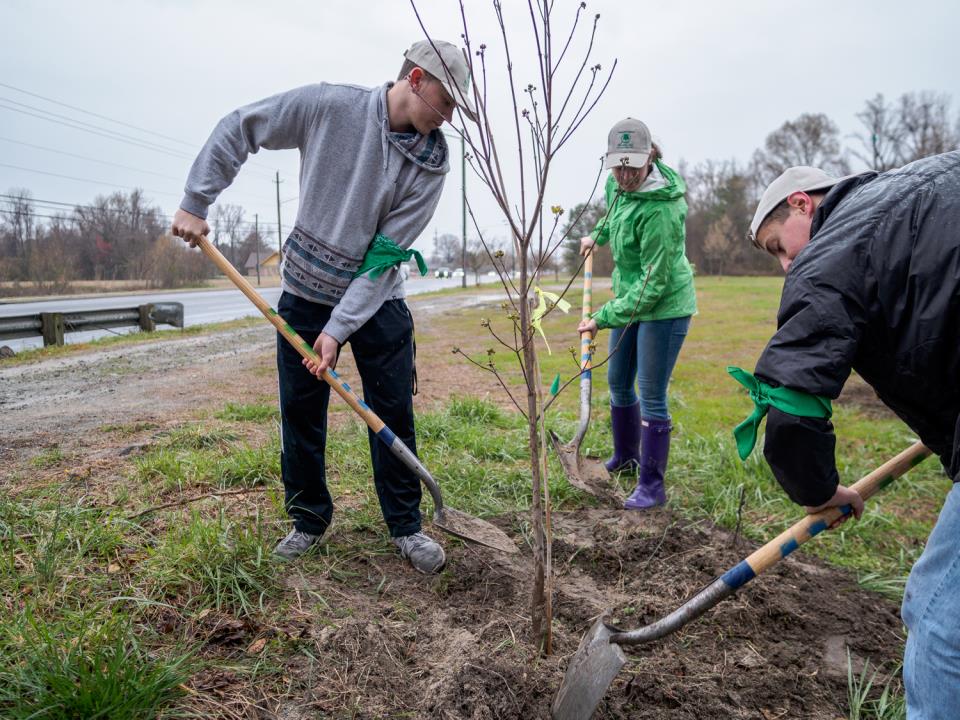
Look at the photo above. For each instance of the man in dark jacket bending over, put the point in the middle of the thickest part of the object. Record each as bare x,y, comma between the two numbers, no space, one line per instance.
873,284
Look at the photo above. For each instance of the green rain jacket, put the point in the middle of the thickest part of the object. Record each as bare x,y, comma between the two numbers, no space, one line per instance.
646,229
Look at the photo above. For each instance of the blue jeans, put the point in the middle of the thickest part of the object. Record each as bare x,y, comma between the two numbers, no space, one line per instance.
931,612
645,357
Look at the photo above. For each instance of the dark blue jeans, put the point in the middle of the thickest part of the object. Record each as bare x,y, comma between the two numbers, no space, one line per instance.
383,350
645,357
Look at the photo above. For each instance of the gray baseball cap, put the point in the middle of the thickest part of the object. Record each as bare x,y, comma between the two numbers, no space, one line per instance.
801,178
629,143
455,77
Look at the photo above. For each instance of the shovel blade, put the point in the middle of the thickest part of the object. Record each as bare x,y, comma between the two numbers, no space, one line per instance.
473,529
584,473
590,672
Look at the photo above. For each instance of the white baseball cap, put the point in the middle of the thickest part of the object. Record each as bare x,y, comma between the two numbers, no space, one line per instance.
801,178
448,64
629,143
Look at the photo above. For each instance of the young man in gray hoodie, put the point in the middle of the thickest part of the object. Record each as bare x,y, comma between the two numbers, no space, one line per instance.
372,165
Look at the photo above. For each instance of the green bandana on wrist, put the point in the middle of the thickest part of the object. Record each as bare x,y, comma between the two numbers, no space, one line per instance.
384,254
792,402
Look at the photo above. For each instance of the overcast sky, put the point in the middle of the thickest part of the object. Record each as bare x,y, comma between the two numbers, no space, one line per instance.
710,79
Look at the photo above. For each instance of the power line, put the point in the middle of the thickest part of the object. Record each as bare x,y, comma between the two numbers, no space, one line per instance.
88,180
88,159
110,135
55,203
103,117
101,182
96,115
102,132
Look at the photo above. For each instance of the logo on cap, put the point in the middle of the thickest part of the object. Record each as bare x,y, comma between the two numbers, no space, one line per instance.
625,141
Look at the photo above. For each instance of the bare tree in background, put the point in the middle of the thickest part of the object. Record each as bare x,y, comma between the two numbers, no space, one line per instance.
543,119
17,229
581,221
925,126
881,138
811,139
228,219
447,249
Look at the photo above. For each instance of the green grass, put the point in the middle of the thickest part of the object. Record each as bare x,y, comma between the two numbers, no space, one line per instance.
254,412
198,455
705,478
81,668
48,458
221,563
870,701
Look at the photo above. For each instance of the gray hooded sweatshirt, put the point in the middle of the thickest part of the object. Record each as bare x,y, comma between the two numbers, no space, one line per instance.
357,179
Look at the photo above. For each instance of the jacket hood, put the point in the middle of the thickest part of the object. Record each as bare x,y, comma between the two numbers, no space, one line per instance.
663,183
429,152
837,195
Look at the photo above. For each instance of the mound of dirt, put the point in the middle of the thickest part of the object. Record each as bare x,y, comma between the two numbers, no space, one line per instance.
457,646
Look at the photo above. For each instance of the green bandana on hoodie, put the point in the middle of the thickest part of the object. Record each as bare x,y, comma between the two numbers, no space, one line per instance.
792,402
384,254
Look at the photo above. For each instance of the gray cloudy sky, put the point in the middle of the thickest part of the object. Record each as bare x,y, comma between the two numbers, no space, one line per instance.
710,79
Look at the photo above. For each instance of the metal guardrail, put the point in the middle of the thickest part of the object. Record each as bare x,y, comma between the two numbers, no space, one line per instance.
52,326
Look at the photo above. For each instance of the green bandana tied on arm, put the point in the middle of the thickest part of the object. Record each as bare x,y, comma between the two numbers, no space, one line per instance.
384,254
792,402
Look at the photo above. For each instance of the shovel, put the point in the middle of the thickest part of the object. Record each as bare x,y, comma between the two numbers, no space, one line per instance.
448,519
586,473
600,657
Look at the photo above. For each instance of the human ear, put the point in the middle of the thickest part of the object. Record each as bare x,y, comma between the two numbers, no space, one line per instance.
415,77
801,201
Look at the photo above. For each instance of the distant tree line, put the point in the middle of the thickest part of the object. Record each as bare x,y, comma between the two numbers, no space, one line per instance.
121,237
722,195
116,237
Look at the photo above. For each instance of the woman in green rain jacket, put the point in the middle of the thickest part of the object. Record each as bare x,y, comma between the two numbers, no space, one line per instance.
654,300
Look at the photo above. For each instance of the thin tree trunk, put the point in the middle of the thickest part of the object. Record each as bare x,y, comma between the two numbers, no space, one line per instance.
547,529
537,603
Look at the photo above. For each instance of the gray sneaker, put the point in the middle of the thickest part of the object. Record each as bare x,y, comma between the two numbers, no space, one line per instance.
295,544
423,552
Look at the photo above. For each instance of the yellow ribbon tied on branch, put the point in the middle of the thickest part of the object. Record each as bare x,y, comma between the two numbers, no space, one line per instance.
544,297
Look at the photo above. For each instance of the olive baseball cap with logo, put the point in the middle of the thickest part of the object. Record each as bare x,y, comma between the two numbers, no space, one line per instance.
801,178
449,67
629,143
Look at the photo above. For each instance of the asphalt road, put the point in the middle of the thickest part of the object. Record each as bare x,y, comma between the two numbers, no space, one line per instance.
199,307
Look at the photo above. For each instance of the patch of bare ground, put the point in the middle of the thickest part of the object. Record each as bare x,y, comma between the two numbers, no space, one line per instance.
455,646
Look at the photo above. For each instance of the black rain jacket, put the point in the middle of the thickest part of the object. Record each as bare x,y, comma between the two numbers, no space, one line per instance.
876,290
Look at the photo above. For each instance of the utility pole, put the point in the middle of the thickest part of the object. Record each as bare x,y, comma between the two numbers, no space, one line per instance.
256,240
463,207
279,226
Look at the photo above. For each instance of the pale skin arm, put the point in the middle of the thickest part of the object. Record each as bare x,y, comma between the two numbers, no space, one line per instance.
191,228
843,496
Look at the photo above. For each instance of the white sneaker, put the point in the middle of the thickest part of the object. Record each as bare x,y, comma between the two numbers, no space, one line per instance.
423,552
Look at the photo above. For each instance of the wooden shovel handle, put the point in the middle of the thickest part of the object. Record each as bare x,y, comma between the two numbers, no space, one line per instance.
587,338
809,526
301,345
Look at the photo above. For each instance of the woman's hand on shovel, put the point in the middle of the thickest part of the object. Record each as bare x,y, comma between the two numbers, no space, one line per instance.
843,496
588,326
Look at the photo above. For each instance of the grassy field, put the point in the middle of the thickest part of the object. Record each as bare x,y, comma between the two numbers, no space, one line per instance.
102,602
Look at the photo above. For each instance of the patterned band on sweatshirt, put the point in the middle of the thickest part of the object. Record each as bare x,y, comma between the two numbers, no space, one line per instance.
316,270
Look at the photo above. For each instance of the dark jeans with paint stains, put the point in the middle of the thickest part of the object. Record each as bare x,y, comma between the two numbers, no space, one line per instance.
383,351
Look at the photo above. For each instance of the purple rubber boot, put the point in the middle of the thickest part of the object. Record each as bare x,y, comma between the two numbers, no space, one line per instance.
653,464
626,438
